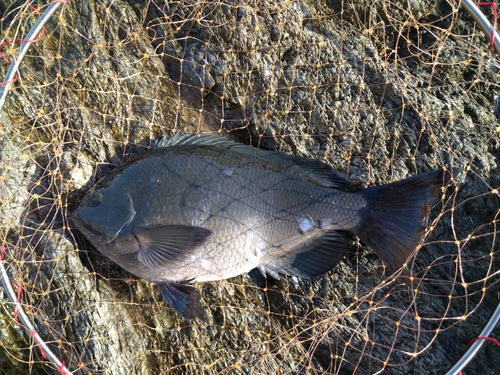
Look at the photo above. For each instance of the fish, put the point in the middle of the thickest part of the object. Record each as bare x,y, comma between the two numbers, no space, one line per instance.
203,208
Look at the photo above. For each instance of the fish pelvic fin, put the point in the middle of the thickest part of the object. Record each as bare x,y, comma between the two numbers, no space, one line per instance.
316,257
397,215
184,298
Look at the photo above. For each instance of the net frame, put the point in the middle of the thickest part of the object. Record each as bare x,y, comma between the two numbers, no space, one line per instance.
29,39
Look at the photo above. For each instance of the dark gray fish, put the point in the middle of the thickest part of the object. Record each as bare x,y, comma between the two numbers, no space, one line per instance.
200,208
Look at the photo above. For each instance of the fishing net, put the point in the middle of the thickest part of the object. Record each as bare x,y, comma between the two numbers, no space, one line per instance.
380,90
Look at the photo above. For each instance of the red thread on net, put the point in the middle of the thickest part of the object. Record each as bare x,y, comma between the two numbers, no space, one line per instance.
34,334
4,83
493,6
18,298
485,338
9,42
34,9
17,40
61,369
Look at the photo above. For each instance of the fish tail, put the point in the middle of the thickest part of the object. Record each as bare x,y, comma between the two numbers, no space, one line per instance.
397,215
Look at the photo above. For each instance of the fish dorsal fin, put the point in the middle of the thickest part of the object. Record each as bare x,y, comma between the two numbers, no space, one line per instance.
316,171
161,245
198,139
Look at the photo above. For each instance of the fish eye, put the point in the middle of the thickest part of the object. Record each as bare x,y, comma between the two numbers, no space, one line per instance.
95,199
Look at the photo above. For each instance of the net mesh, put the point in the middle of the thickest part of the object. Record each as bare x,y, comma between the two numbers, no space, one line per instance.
381,90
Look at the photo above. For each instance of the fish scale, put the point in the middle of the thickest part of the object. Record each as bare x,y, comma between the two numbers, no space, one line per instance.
201,208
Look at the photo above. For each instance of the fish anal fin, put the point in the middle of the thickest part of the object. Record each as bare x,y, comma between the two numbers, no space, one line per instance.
161,245
184,298
318,256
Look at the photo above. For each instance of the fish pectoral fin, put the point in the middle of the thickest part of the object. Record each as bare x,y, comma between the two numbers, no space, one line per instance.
163,244
318,256
184,298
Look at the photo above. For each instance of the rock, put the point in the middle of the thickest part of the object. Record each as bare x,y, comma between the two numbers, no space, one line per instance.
365,90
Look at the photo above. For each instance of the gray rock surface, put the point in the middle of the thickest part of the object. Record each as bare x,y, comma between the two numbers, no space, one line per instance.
379,90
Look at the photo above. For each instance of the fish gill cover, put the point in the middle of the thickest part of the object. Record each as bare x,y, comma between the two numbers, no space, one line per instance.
380,90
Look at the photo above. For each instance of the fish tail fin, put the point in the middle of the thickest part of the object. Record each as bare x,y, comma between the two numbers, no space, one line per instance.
396,220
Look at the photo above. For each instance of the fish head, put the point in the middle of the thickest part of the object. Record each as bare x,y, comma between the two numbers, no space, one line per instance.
103,214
